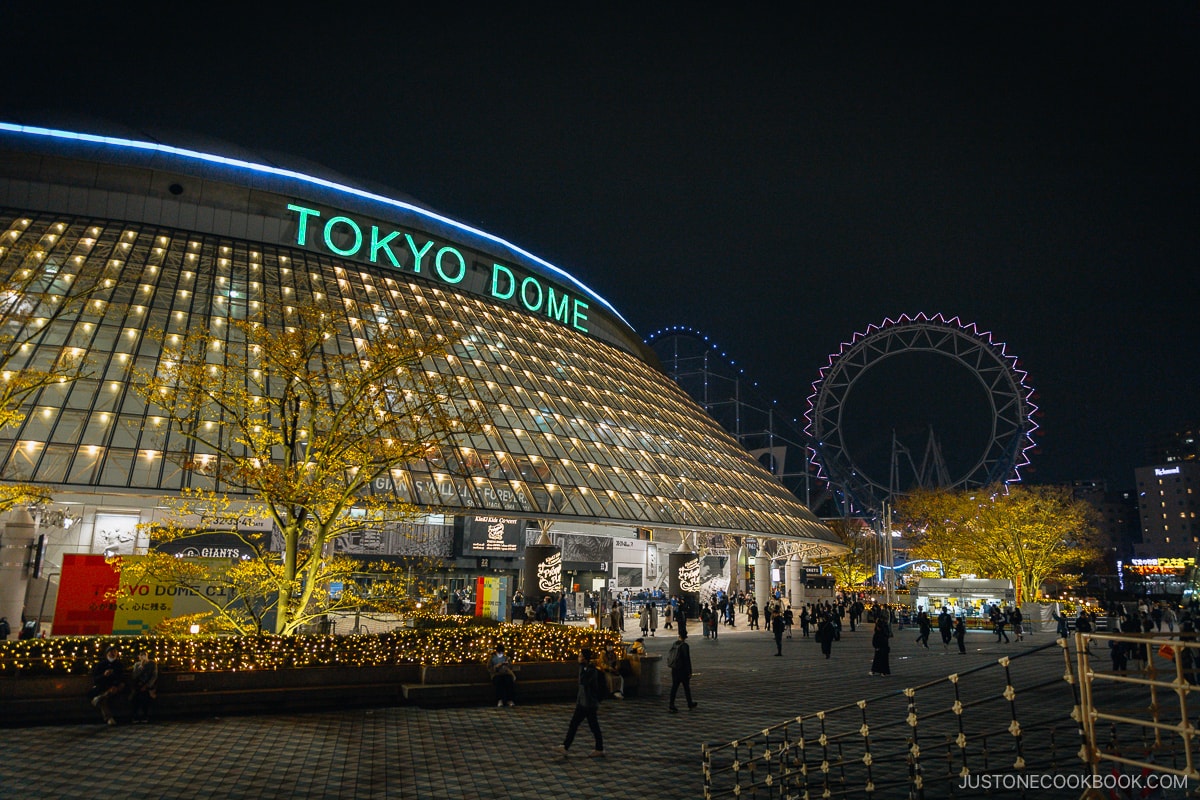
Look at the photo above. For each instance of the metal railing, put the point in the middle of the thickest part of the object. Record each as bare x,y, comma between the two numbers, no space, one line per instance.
1142,719
920,741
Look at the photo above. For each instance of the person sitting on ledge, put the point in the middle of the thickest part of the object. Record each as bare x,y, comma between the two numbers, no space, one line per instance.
610,665
108,679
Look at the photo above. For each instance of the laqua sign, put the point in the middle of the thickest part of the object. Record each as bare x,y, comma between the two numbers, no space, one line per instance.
348,238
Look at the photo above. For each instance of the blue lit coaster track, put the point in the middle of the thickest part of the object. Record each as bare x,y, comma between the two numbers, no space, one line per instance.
771,433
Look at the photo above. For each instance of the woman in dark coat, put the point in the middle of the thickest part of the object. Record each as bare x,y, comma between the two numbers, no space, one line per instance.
879,640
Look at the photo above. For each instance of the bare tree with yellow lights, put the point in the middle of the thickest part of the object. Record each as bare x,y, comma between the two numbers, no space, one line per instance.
299,422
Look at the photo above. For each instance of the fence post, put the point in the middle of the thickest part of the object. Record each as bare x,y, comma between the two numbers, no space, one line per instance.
1087,720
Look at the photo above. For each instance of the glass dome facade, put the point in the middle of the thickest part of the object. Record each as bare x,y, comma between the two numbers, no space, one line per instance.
583,424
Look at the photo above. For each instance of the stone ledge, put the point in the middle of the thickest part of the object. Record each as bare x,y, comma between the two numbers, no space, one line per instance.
62,699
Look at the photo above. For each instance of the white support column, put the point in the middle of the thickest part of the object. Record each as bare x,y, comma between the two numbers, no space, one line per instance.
795,580
15,548
738,584
762,577
795,583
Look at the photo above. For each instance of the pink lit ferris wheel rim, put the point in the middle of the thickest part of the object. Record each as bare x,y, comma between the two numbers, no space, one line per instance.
997,371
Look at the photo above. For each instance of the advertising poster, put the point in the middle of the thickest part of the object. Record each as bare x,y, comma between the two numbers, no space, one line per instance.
684,580
491,598
493,536
582,552
81,609
542,572
146,604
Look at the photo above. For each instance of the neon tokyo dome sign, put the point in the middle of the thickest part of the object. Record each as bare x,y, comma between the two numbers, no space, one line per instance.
444,262
530,292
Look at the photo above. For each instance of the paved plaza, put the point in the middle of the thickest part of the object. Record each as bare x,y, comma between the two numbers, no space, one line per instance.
488,752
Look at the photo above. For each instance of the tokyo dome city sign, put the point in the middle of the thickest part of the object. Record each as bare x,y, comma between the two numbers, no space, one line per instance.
347,238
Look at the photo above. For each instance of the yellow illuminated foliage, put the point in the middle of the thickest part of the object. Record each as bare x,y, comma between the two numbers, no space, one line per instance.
308,422
1023,533
857,563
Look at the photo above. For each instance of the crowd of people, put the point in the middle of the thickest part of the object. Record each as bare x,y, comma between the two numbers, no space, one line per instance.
603,675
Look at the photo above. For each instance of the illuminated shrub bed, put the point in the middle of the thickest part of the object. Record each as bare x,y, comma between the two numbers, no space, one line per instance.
436,646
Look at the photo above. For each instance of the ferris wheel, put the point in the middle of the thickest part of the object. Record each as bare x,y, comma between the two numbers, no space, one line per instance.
1007,411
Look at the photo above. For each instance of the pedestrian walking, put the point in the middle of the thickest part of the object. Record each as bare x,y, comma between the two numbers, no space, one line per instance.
945,627
960,634
998,625
825,635
1017,619
1171,618
777,627
924,628
753,615
679,660
587,704
616,618
880,641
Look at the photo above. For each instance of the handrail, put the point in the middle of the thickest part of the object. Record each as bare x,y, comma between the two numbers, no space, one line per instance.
1185,659
843,751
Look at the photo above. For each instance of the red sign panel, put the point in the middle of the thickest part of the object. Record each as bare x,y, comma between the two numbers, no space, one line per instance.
82,609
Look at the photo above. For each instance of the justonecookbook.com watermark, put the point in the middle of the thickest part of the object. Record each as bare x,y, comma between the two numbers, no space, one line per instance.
1050,780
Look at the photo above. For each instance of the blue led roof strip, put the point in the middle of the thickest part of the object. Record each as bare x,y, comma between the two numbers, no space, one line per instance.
114,141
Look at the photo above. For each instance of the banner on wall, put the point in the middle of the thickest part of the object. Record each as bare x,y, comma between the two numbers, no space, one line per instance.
144,605
491,598
684,579
86,580
587,553
493,536
81,608
542,572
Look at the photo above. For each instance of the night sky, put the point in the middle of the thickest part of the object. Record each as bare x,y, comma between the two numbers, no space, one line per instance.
779,180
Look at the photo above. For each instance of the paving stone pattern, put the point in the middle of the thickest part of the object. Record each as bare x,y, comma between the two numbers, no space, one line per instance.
489,752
